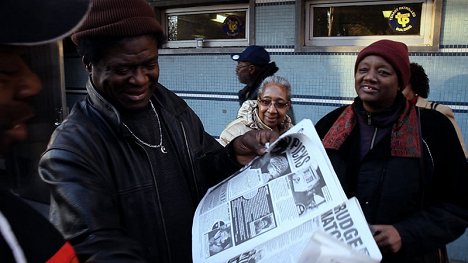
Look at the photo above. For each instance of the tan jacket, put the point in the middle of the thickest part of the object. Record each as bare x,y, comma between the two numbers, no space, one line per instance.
447,111
247,120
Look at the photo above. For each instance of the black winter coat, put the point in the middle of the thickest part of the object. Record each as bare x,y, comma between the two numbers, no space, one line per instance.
35,236
105,195
423,199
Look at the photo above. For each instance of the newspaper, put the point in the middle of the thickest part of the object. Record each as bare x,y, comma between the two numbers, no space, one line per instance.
285,206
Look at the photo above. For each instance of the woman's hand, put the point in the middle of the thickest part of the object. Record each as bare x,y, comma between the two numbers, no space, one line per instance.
387,238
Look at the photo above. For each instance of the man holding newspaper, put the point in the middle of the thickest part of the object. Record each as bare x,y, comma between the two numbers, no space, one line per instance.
403,163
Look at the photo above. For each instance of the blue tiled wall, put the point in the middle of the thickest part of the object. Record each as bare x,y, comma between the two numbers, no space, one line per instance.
454,29
274,24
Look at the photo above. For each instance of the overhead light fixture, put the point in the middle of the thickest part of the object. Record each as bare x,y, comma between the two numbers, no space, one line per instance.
386,14
219,18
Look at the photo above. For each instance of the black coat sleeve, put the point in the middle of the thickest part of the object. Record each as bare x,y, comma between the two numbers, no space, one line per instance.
444,216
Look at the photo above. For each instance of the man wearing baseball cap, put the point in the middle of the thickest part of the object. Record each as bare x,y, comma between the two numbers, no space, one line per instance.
253,66
25,235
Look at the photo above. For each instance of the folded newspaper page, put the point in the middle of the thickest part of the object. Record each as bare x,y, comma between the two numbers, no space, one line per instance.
284,206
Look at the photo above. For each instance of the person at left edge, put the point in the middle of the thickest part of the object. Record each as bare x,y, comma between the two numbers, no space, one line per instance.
25,235
130,163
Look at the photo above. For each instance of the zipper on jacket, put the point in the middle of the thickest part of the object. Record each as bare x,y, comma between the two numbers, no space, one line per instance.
369,122
187,148
373,138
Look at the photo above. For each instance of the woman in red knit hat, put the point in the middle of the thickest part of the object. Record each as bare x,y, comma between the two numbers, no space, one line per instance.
388,153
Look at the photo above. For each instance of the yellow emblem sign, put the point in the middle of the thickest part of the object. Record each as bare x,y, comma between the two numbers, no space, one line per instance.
402,19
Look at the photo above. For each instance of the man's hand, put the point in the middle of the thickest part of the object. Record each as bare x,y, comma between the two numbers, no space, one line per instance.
251,144
387,238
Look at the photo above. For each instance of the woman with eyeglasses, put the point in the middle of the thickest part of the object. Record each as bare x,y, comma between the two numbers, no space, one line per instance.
267,112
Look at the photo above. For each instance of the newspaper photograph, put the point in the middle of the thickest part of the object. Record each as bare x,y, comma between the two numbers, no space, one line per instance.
279,207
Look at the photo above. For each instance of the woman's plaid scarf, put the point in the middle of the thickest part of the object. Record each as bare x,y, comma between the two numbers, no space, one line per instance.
405,137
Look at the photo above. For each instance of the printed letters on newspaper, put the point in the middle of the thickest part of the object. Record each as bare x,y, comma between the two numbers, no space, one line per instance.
285,206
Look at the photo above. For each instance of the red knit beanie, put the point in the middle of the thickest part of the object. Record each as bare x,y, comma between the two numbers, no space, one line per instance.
118,18
395,53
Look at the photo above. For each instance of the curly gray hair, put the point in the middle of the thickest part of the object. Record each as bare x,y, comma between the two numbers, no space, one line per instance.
278,80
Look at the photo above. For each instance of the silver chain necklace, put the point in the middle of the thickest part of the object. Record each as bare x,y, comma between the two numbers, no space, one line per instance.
163,149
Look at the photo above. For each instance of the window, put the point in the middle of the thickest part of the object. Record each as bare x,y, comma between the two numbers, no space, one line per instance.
211,26
359,23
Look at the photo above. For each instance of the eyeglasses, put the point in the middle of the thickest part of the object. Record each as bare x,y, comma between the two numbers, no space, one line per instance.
276,104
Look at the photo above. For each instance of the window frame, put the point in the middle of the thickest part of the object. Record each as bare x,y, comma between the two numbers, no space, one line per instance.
428,40
209,43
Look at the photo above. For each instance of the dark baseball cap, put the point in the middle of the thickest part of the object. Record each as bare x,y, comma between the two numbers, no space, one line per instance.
35,22
256,55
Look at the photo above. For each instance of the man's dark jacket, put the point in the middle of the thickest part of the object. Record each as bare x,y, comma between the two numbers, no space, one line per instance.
104,187
423,200
35,236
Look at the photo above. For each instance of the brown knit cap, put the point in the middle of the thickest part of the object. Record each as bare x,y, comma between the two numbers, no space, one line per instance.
118,18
